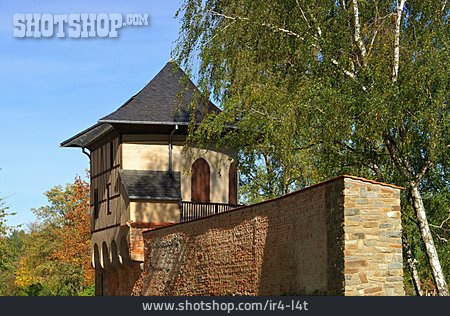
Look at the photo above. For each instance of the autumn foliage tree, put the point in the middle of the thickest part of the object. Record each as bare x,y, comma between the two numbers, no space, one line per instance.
55,258
75,233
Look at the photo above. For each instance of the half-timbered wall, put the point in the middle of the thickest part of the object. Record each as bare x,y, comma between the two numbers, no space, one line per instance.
109,207
105,165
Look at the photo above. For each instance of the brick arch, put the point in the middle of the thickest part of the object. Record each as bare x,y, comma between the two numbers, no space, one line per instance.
124,252
114,254
96,258
200,181
105,255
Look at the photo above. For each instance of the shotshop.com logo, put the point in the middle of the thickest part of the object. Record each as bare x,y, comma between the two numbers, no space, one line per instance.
81,25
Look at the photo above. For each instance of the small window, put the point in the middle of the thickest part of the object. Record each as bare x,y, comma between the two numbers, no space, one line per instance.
111,155
108,205
95,203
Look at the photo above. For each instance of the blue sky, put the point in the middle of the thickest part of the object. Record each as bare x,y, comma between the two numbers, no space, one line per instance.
53,88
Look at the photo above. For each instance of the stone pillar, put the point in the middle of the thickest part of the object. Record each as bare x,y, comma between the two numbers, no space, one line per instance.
372,238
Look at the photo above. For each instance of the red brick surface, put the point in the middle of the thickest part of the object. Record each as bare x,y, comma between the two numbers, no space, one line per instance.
341,237
118,281
274,248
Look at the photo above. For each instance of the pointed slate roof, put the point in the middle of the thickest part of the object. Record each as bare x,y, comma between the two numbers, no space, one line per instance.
165,100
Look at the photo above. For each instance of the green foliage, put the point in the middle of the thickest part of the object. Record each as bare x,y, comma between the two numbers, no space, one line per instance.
11,247
60,203
88,291
3,230
435,202
303,102
3,215
47,276
36,289
36,262
45,268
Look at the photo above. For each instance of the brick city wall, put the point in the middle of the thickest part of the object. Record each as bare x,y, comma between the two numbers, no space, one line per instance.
117,281
137,239
340,237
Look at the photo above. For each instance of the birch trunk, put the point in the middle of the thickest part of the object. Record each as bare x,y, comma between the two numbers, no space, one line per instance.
412,266
427,238
358,39
404,167
398,21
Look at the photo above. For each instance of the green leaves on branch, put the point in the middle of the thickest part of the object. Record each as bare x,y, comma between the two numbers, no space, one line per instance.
311,90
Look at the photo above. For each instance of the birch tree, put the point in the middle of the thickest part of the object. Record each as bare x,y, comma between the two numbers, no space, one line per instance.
316,89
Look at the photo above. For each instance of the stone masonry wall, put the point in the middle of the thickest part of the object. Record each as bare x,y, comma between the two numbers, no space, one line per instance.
373,239
340,237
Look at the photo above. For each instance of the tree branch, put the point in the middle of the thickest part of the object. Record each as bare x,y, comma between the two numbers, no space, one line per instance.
439,236
305,147
401,163
424,169
397,40
287,32
443,222
377,171
303,14
358,39
375,32
412,266
268,25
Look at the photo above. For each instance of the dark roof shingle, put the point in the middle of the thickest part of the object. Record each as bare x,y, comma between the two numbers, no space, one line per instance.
89,135
164,100
151,185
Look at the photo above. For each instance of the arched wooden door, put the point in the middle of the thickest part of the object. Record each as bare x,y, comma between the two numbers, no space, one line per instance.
232,184
200,181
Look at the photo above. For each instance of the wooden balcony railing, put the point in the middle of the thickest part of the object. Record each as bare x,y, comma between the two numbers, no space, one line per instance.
194,210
